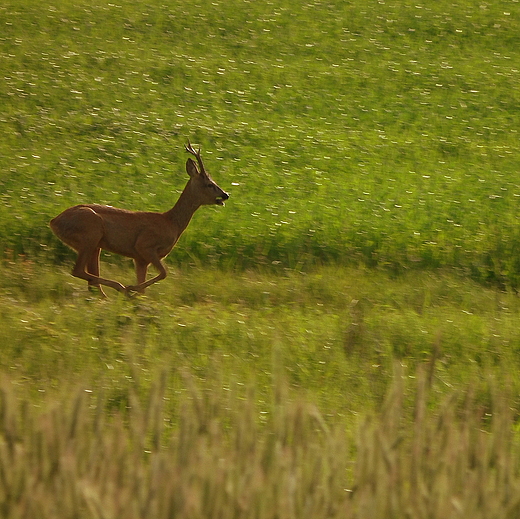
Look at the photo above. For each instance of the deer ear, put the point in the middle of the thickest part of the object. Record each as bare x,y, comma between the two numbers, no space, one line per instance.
191,168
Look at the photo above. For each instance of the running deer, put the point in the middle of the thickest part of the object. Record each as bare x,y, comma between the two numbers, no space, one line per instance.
146,237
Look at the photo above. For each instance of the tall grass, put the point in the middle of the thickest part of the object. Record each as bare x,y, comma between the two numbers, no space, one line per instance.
221,460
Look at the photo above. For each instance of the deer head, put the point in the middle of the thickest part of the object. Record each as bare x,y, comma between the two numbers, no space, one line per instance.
210,193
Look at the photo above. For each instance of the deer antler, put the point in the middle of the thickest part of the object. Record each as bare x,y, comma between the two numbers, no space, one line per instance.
189,148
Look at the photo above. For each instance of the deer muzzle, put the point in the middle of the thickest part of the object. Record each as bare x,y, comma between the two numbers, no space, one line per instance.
222,198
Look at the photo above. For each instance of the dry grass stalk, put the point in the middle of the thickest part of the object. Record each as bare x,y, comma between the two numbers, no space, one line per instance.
73,461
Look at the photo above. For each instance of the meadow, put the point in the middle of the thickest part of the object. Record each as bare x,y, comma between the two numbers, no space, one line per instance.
341,339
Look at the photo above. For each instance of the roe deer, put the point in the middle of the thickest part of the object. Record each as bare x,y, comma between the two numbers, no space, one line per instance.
147,237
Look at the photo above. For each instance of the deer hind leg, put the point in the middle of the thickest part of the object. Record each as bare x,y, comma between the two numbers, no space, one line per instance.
82,229
93,268
80,271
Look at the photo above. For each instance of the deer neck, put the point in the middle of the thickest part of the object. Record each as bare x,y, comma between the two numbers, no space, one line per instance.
181,213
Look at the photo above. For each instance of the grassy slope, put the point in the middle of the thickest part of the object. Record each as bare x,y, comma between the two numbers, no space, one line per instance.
378,133
374,134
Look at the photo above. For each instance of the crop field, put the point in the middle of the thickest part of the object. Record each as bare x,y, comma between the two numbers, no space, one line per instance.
341,339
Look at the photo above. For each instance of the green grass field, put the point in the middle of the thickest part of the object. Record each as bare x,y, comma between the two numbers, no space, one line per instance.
341,339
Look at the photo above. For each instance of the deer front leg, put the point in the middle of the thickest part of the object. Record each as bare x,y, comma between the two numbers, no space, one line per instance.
93,268
141,267
141,275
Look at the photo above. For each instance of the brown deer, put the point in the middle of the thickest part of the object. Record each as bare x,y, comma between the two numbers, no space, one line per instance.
147,237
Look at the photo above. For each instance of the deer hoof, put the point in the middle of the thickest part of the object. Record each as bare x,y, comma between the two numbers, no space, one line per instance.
132,291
